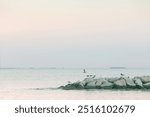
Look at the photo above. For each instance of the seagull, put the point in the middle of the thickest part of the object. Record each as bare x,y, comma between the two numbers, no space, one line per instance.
84,71
122,74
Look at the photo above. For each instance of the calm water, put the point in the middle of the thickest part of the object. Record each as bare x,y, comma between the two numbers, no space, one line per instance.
38,84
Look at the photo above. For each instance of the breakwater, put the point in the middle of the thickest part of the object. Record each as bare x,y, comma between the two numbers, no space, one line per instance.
140,82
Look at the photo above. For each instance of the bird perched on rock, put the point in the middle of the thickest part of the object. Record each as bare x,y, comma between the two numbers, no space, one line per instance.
122,75
91,76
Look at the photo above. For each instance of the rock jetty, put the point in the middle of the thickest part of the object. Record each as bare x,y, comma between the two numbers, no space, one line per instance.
142,82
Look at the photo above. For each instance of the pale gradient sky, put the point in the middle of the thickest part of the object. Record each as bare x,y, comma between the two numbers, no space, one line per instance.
74,33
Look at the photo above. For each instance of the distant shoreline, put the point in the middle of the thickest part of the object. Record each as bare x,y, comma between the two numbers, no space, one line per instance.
69,68
118,68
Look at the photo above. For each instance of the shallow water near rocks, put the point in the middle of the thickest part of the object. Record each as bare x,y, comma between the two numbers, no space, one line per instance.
42,83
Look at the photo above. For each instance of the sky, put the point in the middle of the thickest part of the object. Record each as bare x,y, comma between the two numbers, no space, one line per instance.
75,33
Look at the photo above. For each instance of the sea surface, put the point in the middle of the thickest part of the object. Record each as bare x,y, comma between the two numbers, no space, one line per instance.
41,84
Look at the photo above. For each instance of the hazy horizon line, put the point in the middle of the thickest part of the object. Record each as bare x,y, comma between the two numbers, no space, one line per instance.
74,67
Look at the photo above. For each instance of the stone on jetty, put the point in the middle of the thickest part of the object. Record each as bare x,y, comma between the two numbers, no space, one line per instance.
130,83
110,83
99,82
91,85
76,85
138,83
86,81
112,80
106,85
119,84
145,79
147,85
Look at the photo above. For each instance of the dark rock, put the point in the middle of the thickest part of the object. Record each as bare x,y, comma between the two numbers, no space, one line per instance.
69,87
76,85
99,82
145,79
107,85
86,81
147,85
112,80
138,83
91,85
130,83
61,87
119,84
